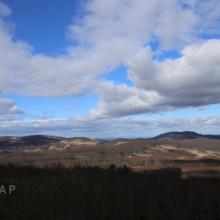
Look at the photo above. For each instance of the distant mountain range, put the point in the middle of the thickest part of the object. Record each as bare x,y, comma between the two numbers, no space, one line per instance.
11,142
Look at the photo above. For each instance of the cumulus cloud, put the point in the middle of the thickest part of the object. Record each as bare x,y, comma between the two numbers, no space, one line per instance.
107,35
8,110
190,81
111,33
133,23
25,73
121,100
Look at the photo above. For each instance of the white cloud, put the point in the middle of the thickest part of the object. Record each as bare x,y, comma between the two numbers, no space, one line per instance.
190,81
108,34
115,32
175,27
133,23
8,110
121,100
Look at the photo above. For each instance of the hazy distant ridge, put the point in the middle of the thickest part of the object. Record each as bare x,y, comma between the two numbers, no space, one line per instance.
185,135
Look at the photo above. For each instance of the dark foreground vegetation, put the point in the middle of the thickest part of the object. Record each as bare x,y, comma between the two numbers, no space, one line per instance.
103,194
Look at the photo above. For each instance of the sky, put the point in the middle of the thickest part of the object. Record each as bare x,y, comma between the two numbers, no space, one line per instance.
107,69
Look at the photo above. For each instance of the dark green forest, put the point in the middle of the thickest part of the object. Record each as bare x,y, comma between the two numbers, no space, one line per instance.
82,193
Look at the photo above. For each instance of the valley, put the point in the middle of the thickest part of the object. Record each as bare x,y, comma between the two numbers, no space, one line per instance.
194,154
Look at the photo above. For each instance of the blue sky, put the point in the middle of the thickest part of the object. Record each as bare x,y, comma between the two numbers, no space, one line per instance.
49,18
109,69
